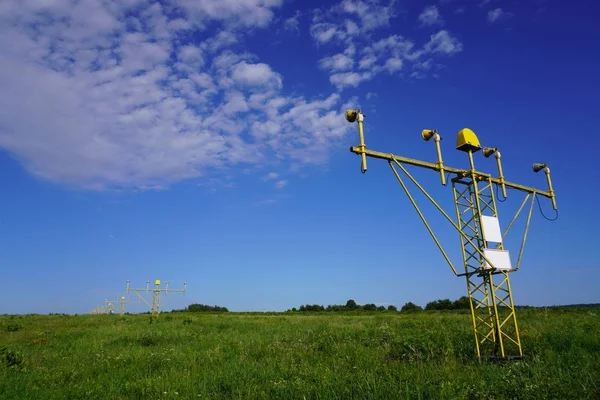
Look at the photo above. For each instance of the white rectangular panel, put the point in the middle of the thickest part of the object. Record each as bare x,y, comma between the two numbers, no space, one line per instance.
491,229
499,258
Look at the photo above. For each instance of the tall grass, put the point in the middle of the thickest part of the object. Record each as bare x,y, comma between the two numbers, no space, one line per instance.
293,356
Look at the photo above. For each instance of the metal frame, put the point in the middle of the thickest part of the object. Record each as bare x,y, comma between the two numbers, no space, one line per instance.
492,309
155,306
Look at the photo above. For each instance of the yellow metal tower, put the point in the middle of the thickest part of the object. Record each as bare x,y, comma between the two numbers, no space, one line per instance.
155,306
487,263
122,303
109,306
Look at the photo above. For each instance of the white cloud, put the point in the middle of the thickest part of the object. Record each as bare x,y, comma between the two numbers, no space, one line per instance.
372,14
271,175
351,24
113,94
348,79
255,75
351,27
443,42
292,23
236,103
280,184
191,55
496,15
246,13
338,23
338,62
367,62
430,16
393,64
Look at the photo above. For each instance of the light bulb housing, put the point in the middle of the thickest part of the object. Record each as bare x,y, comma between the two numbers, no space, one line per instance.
427,134
488,151
351,115
538,167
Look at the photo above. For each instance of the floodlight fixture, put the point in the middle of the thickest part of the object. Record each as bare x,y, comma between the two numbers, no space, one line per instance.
426,135
538,167
351,115
356,115
488,151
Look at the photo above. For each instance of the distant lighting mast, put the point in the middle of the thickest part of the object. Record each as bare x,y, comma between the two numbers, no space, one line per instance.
487,263
156,291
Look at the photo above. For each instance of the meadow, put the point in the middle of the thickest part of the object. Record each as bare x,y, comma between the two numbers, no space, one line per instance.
294,355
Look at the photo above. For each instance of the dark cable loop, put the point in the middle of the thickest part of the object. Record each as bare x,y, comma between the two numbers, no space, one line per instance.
542,212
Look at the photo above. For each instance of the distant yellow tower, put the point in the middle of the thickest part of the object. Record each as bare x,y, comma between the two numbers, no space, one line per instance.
155,306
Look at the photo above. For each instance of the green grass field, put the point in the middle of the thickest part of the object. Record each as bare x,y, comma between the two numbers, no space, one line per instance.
383,355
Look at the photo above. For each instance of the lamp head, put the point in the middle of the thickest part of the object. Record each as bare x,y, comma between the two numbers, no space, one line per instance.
539,167
351,115
488,151
427,134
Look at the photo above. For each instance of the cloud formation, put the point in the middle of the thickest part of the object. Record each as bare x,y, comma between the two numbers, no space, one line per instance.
430,16
497,14
112,93
351,33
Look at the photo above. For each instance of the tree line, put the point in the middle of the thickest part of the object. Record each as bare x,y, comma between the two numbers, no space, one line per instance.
203,308
351,305
462,303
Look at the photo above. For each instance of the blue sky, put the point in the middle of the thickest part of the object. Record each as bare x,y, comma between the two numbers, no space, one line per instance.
205,142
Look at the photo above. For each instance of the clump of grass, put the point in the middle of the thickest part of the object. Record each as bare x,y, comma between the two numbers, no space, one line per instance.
148,339
14,327
11,359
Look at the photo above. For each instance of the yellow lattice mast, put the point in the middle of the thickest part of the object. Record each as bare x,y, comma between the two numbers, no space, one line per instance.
122,302
156,291
99,310
109,306
486,262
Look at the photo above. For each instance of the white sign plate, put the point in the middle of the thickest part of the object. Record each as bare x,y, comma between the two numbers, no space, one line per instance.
499,258
491,229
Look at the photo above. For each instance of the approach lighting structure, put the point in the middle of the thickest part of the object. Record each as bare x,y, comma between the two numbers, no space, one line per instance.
487,263
156,291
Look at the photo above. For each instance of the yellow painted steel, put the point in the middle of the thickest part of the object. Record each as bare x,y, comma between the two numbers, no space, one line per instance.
422,217
467,141
550,190
457,171
155,305
500,174
492,308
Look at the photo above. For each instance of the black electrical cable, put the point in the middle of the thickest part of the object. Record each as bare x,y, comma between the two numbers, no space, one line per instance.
498,196
542,212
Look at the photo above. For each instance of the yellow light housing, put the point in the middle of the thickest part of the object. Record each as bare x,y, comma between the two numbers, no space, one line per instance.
351,115
488,151
467,141
427,134
538,167
157,282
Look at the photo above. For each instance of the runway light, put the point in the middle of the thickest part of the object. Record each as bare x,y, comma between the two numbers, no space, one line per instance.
427,134
351,115
538,167
488,151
